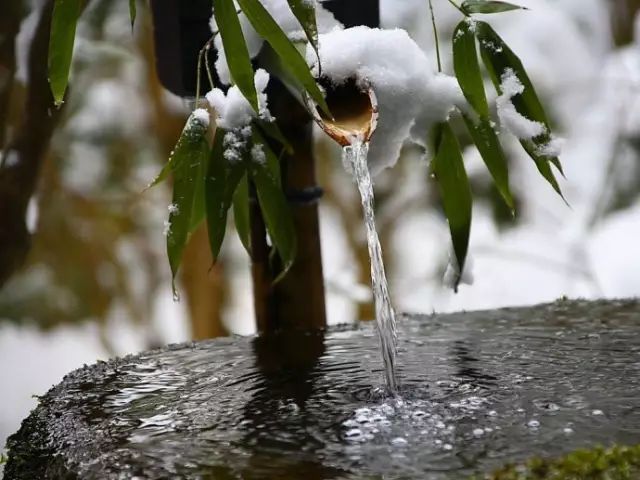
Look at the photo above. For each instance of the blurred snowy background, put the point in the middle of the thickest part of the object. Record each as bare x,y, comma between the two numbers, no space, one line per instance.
96,283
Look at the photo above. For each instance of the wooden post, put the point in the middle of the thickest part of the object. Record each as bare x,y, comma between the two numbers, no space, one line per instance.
297,301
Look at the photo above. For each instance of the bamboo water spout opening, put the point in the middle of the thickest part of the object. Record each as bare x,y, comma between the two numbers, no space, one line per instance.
354,110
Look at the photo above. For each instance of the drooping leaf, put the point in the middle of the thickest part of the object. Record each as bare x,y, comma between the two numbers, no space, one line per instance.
292,60
489,6
132,11
498,58
221,182
448,168
272,130
467,67
276,213
187,164
271,161
241,213
198,213
305,12
488,144
235,49
61,39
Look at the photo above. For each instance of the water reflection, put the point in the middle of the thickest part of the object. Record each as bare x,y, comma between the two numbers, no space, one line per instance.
469,368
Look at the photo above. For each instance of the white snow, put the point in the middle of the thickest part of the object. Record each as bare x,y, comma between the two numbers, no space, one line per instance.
411,97
201,115
233,110
257,154
511,119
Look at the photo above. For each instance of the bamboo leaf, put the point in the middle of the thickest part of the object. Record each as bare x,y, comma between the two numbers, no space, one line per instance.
271,161
488,144
305,12
235,49
489,6
187,164
132,12
222,179
241,213
61,40
292,60
448,168
276,213
498,58
271,130
467,68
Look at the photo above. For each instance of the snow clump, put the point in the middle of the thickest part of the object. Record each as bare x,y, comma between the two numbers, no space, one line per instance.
411,97
233,109
510,118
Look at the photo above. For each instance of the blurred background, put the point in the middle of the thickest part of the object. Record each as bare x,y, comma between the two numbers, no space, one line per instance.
96,282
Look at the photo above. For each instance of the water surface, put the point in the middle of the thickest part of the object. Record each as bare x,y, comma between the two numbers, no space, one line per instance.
478,390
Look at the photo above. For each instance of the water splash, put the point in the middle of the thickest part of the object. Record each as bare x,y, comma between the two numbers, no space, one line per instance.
355,157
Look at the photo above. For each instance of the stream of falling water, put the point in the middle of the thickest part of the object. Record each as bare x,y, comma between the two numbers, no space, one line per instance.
355,157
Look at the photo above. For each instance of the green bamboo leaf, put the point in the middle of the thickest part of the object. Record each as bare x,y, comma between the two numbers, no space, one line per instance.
498,58
235,49
292,60
448,168
61,38
198,213
271,130
271,161
187,163
488,144
241,213
305,12
132,11
222,179
489,6
276,213
467,68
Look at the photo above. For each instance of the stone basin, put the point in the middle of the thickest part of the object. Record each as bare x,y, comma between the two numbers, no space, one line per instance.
478,390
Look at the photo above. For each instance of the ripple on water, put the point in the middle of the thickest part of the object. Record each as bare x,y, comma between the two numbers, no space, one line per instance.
477,390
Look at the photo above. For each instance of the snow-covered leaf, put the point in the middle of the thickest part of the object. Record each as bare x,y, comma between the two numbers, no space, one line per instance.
448,168
489,6
488,144
292,60
276,213
467,67
187,163
499,60
235,49
271,161
241,213
61,40
305,12
221,182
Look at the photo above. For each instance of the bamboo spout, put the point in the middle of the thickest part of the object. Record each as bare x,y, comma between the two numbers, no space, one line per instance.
354,110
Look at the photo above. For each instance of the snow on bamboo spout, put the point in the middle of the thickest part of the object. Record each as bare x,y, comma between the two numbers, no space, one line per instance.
355,115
